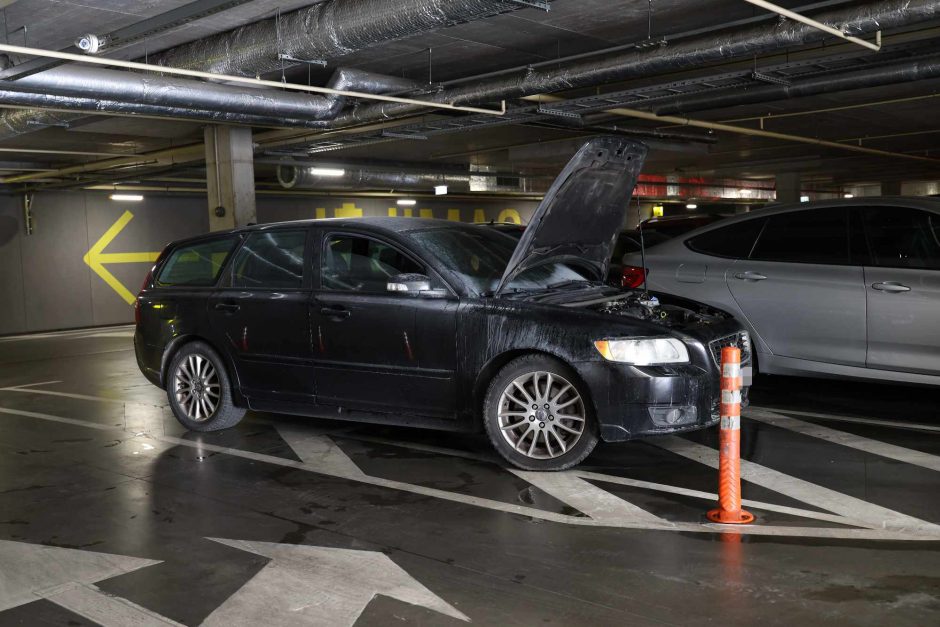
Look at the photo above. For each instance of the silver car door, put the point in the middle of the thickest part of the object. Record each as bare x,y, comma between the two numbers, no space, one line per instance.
799,291
903,289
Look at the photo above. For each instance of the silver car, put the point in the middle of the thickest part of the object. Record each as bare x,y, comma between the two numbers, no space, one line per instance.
845,288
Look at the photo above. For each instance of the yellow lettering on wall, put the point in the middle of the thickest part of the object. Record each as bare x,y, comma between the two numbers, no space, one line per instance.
509,215
408,213
348,210
453,215
479,215
321,213
393,212
426,213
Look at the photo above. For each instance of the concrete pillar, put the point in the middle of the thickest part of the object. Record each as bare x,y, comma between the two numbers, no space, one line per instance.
230,177
891,188
788,187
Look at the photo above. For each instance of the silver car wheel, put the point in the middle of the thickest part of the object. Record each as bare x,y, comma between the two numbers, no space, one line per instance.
541,415
197,388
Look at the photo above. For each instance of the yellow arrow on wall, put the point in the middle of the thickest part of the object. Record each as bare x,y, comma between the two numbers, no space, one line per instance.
96,258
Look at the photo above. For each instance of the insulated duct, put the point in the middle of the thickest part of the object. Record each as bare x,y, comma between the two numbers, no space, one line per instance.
299,177
874,76
58,112
158,91
676,56
323,31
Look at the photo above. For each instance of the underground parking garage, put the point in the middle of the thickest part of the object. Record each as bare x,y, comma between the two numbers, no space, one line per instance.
504,312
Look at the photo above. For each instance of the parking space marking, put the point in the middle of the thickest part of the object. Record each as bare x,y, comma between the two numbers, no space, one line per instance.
921,532
318,450
30,389
88,601
862,421
568,487
883,449
712,497
854,510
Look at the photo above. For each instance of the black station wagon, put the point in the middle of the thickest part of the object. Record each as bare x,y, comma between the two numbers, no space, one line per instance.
438,324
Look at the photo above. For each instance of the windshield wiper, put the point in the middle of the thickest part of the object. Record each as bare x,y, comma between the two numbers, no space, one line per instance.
569,282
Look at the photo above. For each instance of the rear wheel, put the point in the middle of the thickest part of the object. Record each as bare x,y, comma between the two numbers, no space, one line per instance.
537,415
199,390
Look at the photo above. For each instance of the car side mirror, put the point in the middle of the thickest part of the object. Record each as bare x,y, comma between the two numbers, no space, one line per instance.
413,285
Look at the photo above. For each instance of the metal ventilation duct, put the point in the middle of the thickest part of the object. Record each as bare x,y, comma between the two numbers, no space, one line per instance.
886,74
297,177
858,20
324,31
159,91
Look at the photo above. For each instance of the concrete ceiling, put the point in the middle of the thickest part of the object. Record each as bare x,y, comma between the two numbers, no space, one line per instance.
906,122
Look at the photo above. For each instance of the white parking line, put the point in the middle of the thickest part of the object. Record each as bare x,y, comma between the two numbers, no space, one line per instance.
921,532
853,509
883,449
897,424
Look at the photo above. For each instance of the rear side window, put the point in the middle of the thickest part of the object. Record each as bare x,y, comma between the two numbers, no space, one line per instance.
899,237
810,236
359,264
271,260
196,265
734,241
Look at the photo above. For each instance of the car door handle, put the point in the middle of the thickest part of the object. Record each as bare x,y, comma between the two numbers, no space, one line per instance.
228,307
750,276
335,312
890,286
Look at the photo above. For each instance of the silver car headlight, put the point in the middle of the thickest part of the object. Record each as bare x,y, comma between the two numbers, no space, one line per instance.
650,351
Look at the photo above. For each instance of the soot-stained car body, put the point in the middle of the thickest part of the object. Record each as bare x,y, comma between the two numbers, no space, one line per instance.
438,324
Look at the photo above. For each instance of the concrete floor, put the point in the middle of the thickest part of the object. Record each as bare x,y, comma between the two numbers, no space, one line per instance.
111,513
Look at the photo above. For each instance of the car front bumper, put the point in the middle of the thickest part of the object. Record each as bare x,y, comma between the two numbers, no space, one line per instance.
632,402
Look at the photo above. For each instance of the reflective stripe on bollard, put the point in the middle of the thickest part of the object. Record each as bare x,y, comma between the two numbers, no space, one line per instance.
729,451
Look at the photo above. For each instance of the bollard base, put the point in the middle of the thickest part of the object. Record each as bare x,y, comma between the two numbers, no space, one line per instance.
740,517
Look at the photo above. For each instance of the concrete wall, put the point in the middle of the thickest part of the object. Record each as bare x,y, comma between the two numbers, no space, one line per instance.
45,284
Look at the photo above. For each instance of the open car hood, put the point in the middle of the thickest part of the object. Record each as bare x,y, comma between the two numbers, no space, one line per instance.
579,218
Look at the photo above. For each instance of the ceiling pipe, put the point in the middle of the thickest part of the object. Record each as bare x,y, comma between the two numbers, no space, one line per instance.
316,33
753,132
676,56
871,76
300,177
63,110
72,87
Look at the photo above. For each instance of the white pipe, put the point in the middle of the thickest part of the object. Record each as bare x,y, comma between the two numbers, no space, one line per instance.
160,69
770,6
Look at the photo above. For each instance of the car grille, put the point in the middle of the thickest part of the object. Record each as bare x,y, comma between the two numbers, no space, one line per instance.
741,340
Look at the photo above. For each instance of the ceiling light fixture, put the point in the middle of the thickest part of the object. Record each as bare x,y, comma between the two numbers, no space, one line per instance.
804,198
127,197
440,190
691,205
848,195
334,172
406,202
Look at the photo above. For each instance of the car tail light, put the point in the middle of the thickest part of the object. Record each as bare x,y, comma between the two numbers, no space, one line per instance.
632,276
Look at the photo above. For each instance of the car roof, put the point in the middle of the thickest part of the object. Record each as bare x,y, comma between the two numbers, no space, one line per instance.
918,202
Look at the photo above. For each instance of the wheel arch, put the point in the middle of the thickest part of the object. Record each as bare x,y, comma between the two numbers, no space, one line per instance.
177,344
498,362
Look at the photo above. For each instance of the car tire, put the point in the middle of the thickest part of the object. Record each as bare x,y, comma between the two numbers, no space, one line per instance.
538,416
199,389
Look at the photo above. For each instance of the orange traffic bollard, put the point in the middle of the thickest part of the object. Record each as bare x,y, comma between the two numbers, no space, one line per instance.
729,451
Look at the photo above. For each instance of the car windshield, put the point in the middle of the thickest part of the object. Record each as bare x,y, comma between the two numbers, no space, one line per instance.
480,257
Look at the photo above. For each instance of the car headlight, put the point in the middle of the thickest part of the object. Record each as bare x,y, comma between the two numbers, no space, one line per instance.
652,351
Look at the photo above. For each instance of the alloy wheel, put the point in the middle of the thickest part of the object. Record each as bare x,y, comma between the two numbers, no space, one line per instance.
541,415
197,387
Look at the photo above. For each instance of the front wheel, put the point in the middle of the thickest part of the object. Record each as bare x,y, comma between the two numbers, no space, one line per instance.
537,415
199,390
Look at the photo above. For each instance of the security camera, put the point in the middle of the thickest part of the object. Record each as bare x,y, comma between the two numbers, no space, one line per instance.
90,44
